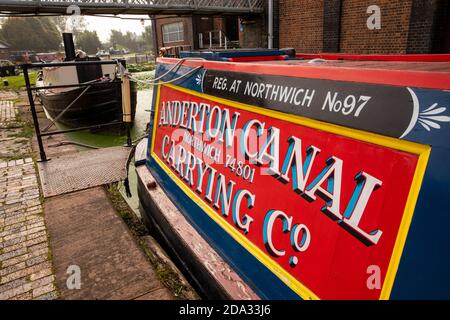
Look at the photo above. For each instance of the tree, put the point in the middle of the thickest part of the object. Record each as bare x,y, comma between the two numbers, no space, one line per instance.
147,38
116,38
127,40
31,33
88,41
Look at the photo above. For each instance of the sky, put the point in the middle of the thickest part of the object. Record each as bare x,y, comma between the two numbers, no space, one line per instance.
103,26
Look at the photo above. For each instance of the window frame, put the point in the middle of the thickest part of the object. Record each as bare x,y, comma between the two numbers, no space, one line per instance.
178,33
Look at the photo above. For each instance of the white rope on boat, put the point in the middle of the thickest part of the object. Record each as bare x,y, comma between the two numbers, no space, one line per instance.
124,72
317,60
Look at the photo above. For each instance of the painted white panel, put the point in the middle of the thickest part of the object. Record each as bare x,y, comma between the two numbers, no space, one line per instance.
60,76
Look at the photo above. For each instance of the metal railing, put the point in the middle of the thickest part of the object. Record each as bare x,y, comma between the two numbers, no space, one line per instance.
213,38
135,6
30,89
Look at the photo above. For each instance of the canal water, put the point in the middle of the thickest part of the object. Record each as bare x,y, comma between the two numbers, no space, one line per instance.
144,101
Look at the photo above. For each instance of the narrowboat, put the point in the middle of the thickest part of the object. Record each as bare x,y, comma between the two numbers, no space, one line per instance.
274,175
98,103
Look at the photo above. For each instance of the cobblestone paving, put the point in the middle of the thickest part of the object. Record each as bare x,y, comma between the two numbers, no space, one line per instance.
8,111
12,144
25,266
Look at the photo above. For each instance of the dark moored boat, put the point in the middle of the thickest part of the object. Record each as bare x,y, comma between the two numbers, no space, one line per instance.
100,104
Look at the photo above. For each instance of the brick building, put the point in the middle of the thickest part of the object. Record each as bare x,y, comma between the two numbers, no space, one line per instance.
364,26
315,26
195,32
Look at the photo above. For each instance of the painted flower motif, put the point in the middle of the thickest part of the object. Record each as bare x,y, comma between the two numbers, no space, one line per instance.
198,79
430,117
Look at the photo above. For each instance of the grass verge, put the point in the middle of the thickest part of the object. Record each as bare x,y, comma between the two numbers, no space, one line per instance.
17,82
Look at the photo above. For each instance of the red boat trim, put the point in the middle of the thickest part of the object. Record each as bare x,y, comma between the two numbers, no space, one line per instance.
418,79
257,58
378,57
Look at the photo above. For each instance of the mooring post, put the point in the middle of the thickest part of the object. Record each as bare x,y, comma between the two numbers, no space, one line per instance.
126,105
34,114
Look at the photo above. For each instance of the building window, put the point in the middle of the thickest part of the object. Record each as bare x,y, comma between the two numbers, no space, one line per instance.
173,32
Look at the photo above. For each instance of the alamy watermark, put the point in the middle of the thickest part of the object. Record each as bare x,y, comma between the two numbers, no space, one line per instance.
73,281
374,279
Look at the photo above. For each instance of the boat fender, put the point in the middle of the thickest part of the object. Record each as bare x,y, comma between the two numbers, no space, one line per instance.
126,182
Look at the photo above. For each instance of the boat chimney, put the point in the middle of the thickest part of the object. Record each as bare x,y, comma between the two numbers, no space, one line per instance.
69,47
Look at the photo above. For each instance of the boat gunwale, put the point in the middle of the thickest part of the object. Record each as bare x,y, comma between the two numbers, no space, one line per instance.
405,78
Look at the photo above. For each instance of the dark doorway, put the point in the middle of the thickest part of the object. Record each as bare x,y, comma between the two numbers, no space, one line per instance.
232,28
202,25
441,28
446,35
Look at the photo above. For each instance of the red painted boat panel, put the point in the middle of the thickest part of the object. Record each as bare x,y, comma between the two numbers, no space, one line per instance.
334,260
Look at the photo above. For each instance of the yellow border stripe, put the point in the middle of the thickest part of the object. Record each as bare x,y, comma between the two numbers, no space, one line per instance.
405,223
423,151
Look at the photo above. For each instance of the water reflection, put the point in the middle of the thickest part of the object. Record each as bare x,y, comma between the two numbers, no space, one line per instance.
144,100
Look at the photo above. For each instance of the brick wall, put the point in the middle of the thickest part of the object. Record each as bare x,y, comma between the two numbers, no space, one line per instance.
429,26
331,25
314,26
421,26
390,39
276,24
301,25
441,38
407,26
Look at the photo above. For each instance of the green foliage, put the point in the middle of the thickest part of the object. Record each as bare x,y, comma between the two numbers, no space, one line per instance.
88,41
17,82
147,38
131,41
141,67
150,75
31,33
127,40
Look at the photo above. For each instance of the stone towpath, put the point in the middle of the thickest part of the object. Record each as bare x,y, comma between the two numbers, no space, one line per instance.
25,265
87,235
91,242
70,246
